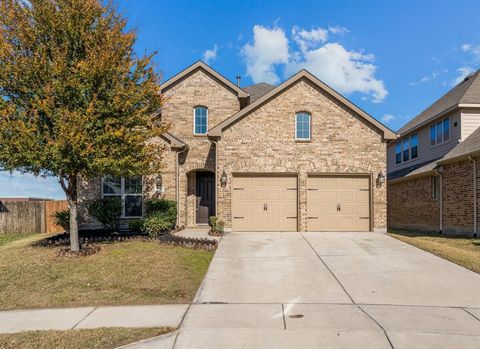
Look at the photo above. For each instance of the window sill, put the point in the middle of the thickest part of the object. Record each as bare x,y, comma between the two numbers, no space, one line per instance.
200,135
407,161
302,140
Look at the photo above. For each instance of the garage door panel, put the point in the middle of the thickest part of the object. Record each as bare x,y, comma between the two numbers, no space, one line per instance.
269,203
341,203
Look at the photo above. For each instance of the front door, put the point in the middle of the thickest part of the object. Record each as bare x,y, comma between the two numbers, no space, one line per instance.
205,195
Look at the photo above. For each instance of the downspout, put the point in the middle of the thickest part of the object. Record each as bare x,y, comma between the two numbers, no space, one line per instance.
474,195
177,180
440,199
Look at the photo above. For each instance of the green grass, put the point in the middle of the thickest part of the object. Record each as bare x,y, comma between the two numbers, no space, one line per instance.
102,338
8,238
463,251
121,273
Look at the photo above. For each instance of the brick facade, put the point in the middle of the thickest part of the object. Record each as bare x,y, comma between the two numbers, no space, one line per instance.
410,203
342,142
264,142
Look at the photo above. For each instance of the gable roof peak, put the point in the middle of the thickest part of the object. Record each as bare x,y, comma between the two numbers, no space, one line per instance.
209,70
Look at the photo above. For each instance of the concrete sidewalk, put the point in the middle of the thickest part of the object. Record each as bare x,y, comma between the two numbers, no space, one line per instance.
92,317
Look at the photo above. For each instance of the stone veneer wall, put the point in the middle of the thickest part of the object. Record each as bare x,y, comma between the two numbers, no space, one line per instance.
197,89
264,142
411,206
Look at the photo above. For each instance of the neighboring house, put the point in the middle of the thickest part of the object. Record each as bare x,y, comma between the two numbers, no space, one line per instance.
433,166
293,157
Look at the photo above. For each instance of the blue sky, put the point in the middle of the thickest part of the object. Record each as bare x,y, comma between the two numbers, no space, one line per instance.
392,59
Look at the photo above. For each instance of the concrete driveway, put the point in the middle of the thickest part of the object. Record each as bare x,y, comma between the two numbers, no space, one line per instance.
330,290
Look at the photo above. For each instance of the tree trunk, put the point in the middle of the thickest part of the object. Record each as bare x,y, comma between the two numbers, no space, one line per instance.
70,189
74,240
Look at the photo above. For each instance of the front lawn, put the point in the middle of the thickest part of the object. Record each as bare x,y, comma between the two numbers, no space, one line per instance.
8,238
101,338
460,250
122,273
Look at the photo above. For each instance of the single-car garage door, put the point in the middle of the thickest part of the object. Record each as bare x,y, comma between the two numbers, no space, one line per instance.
264,203
338,203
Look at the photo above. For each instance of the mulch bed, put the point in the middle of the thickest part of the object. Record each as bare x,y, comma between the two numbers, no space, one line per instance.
89,237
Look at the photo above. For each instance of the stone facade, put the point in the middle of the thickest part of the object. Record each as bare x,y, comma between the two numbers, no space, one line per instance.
264,142
411,206
197,89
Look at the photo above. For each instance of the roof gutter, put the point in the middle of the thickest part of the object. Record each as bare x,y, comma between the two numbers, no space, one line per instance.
408,177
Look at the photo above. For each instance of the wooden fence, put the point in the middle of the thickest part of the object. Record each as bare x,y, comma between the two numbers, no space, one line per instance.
30,216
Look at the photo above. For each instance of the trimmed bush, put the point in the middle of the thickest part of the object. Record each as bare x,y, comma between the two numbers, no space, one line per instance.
62,219
161,205
106,211
212,221
136,225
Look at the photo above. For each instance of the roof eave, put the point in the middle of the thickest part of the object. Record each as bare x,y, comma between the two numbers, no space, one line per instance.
459,158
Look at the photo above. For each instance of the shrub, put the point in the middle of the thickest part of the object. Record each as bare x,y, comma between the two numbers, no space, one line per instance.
161,205
106,211
136,225
212,221
62,219
158,223
216,224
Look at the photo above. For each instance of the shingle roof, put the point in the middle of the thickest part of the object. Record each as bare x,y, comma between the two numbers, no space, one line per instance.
258,90
470,145
466,92
414,170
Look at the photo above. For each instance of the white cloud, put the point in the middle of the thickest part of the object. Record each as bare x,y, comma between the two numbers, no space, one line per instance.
466,47
306,39
426,78
209,55
338,30
346,71
387,118
463,72
270,47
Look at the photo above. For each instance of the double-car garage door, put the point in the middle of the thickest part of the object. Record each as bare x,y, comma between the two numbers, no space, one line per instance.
270,203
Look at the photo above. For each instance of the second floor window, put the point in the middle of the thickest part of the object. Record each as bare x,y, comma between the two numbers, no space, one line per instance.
302,126
440,132
406,149
200,124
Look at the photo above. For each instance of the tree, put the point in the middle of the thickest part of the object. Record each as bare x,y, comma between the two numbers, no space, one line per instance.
75,100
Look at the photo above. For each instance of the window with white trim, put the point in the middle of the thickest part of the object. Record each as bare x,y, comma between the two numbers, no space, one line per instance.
406,149
440,132
128,190
200,122
302,126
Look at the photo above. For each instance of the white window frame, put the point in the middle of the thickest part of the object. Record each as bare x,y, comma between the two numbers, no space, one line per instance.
309,126
122,195
401,142
195,121
435,125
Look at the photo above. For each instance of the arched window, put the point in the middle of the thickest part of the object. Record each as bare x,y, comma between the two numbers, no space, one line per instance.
200,120
302,126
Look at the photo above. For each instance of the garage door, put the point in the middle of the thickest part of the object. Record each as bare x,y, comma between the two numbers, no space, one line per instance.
264,203
338,203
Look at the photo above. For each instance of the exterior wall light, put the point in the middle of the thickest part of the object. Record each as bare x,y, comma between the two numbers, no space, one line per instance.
380,179
160,189
223,179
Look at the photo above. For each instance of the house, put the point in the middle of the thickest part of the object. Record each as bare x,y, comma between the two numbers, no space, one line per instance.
433,167
294,157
